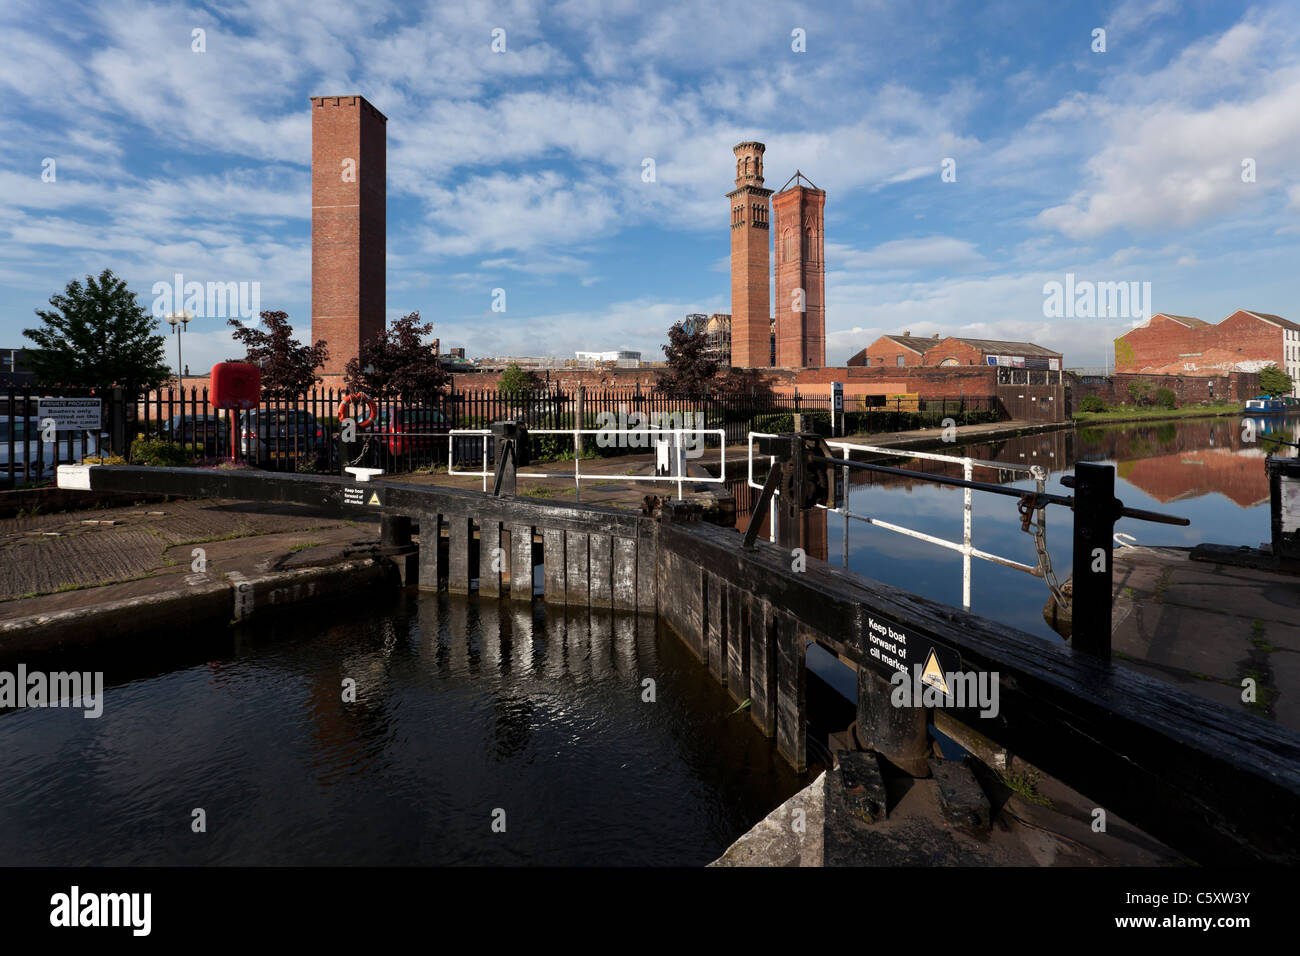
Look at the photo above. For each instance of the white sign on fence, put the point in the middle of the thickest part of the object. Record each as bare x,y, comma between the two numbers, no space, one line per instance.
71,414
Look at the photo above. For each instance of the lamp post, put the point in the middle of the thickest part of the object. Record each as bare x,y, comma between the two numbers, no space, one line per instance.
178,321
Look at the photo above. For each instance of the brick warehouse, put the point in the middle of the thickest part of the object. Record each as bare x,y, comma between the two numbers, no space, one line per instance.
800,316
1187,346
348,225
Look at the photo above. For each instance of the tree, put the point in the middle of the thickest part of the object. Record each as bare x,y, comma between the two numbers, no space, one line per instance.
1274,381
398,361
516,379
288,366
689,370
1137,392
97,335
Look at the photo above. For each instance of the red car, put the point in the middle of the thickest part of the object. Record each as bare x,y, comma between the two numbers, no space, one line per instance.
408,430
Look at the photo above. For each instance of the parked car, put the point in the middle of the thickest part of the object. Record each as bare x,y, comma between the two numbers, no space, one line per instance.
39,458
210,432
268,435
412,430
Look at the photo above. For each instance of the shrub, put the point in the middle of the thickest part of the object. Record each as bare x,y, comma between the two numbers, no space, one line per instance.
1166,398
103,460
1092,403
162,454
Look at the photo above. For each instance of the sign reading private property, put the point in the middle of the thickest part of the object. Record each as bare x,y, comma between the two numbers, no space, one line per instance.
71,414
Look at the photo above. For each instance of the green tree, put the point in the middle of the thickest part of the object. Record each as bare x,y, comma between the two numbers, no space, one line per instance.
97,335
1274,381
516,379
398,362
1137,391
690,370
288,367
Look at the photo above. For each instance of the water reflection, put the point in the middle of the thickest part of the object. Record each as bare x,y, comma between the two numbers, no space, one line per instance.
461,707
1209,470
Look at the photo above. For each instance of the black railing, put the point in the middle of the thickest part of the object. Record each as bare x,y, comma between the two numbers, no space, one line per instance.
300,432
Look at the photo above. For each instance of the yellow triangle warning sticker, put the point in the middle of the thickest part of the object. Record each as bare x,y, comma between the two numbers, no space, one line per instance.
374,498
932,674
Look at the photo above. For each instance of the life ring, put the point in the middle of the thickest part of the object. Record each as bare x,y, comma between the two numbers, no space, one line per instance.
353,401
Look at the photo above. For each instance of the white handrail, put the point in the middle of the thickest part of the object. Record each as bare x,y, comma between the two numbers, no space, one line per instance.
679,477
964,547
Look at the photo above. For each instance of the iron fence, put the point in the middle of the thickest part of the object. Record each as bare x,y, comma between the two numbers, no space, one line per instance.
301,432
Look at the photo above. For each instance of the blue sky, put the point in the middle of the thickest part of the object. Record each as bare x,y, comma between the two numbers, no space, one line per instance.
522,170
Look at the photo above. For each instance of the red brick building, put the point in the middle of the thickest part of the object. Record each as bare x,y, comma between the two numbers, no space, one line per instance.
908,351
348,225
1182,345
895,351
750,260
959,350
800,275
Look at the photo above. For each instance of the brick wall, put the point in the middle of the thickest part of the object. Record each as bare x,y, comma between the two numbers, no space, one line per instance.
1168,347
951,349
348,225
883,353
1233,386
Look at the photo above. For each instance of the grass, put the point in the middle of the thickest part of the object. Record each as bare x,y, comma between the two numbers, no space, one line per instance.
1122,413
63,588
1025,784
304,545
538,492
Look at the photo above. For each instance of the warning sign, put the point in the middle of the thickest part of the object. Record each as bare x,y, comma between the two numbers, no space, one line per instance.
891,649
71,414
932,674
365,497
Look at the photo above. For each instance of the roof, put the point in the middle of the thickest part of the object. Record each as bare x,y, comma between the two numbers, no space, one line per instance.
997,347
1285,323
917,343
1188,320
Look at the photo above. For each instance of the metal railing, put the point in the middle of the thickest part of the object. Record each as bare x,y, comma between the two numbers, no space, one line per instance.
965,547
676,456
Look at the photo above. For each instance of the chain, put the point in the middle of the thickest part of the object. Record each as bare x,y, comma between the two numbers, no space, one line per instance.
1039,530
365,447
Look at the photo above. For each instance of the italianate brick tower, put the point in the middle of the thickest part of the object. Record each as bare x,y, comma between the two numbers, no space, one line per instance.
751,341
798,214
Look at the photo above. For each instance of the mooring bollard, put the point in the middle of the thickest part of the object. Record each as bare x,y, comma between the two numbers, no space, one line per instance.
1095,512
511,452
899,734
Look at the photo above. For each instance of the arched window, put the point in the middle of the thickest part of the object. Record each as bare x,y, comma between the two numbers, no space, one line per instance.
788,252
808,244
948,361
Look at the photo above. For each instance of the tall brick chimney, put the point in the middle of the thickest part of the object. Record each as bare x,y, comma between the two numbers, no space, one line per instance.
799,214
751,318
348,224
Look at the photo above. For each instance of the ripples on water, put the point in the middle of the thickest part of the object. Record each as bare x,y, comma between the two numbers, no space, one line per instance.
461,708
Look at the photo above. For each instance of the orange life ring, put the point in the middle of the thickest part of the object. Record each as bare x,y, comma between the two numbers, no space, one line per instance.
354,400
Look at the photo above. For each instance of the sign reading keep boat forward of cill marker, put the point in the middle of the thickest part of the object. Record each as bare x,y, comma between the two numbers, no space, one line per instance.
892,649
362,496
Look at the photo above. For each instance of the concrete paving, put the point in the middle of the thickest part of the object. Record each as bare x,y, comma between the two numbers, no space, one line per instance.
1208,627
56,562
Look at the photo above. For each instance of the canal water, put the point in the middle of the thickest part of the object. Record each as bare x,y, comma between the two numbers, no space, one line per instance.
466,714
1208,470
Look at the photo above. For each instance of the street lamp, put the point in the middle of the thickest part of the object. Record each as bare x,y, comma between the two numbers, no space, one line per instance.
178,321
